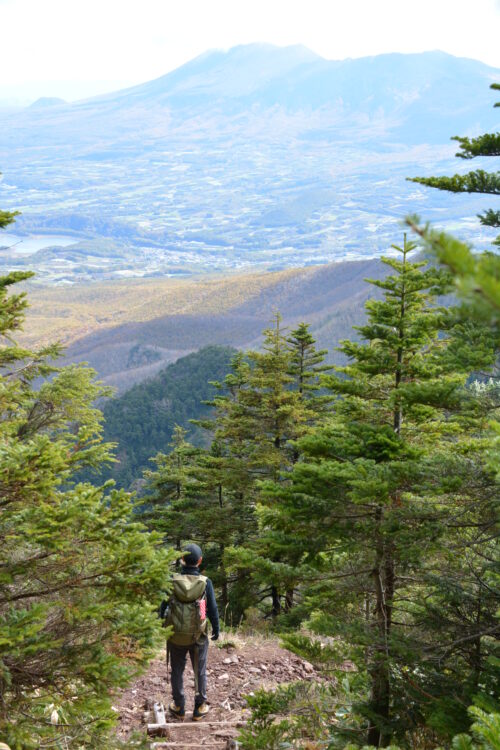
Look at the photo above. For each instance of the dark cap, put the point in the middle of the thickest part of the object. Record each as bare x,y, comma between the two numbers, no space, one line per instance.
192,554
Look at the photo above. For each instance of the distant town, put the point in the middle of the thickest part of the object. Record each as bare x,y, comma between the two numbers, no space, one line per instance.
153,182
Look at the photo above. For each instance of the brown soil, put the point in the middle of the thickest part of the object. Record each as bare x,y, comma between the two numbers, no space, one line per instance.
235,669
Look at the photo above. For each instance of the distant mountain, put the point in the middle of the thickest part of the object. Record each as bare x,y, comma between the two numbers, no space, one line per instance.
420,96
240,73
47,101
258,156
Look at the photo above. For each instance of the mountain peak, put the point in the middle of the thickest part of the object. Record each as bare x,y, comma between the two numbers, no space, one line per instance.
297,52
237,71
47,101
258,50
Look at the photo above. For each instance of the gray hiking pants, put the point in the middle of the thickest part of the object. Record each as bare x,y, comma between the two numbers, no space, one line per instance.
178,656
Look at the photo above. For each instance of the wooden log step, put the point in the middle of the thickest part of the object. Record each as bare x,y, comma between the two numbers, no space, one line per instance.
159,712
192,724
229,745
166,745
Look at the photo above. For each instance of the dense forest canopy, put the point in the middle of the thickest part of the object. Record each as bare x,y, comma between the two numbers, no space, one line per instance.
142,420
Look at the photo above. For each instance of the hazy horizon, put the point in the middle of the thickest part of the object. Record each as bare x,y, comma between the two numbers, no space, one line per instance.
113,86
78,50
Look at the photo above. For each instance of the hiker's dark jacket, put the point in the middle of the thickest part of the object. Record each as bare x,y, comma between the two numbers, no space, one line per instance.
212,612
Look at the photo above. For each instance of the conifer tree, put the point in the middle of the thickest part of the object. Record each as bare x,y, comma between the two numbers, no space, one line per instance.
307,364
476,275
167,508
365,488
267,400
280,405
78,574
279,412
477,181
204,494
256,414
225,518
477,281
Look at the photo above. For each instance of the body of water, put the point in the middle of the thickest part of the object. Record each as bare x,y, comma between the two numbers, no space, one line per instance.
32,243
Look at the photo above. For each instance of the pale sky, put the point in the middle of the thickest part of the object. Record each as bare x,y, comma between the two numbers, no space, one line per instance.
78,48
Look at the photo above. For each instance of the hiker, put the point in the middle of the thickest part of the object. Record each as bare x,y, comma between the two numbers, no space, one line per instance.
192,600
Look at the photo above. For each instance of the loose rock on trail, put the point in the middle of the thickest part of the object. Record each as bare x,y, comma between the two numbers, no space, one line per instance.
235,669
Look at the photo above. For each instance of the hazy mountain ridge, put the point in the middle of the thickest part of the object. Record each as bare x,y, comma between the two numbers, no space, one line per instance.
127,345
296,78
259,156
70,313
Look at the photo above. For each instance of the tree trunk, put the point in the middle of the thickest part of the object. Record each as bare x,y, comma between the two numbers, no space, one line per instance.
383,577
379,702
289,599
276,610
224,592
477,657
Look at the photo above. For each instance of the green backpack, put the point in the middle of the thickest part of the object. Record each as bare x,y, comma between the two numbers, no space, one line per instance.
187,609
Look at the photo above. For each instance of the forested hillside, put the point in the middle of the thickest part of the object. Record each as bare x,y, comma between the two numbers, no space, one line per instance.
72,313
130,330
141,421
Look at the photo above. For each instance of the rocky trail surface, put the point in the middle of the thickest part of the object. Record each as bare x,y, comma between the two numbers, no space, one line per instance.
235,669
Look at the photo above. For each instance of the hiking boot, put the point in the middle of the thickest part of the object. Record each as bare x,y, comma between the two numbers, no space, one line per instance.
200,711
176,710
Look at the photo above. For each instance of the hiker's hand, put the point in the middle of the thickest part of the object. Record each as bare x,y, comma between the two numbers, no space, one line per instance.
215,637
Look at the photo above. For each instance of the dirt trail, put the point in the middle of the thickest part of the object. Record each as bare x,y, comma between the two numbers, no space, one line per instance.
235,669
